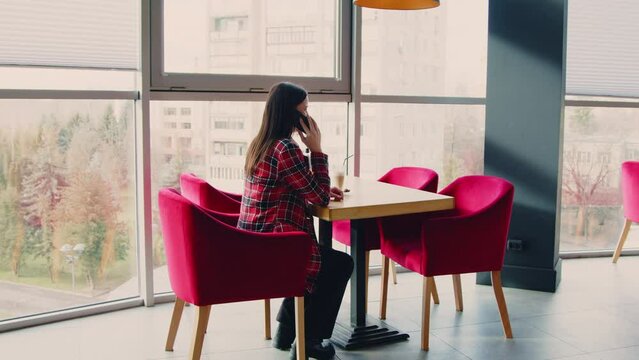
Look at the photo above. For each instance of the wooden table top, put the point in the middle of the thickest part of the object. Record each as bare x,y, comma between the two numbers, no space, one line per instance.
370,198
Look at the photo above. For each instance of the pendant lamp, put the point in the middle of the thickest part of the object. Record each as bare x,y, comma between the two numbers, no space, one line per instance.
398,4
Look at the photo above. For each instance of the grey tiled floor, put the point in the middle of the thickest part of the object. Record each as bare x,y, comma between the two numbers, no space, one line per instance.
593,315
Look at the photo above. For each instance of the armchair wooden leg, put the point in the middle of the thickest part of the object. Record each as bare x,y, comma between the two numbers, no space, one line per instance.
459,301
366,264
267,319
178,308
300,334
427,293
501,303
384,287
202,321
394,272
622,240
434,292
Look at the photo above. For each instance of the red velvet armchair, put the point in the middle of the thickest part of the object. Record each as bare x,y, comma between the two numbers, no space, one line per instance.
471,238
630,194
201,193
211,262
411,177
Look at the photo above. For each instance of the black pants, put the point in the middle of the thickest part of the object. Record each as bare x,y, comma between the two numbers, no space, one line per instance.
321,307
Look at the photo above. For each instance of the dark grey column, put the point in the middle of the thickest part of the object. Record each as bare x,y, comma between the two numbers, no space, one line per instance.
524,128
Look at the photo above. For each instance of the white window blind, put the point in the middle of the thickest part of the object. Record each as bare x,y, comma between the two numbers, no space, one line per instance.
603,48
70,33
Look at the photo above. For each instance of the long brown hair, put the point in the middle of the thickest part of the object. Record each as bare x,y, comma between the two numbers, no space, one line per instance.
278,121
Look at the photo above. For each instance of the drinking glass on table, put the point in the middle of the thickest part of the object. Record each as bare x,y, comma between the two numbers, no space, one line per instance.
339,179
339,173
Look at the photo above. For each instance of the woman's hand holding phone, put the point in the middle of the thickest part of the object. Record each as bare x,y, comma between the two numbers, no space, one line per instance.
302,119
310,135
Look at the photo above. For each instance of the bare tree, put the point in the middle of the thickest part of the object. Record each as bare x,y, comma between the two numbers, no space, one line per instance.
581,180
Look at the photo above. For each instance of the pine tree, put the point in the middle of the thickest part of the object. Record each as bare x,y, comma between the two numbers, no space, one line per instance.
42,183
16,163
116,135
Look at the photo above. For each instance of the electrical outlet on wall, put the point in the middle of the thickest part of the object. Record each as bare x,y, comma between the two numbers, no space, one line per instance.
515,245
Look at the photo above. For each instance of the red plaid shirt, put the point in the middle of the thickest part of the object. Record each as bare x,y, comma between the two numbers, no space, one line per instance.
277,194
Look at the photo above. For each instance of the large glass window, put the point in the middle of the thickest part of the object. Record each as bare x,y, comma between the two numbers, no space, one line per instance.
446,138
214,148
439,52
599,132
67,204
596,141
67,171
223,41
280,37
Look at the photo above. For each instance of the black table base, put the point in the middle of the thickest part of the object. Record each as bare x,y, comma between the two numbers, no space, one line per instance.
374,332
363,330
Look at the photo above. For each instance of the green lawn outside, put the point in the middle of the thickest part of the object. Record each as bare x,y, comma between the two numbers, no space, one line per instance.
35,273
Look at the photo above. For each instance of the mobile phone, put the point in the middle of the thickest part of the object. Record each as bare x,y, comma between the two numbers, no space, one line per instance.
298,123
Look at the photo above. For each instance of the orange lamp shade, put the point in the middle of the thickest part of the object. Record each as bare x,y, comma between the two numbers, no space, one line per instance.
398,4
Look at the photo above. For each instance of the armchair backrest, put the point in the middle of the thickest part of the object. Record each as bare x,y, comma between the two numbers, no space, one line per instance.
630,189
211,262
203,194
476,192
488,200
412,177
